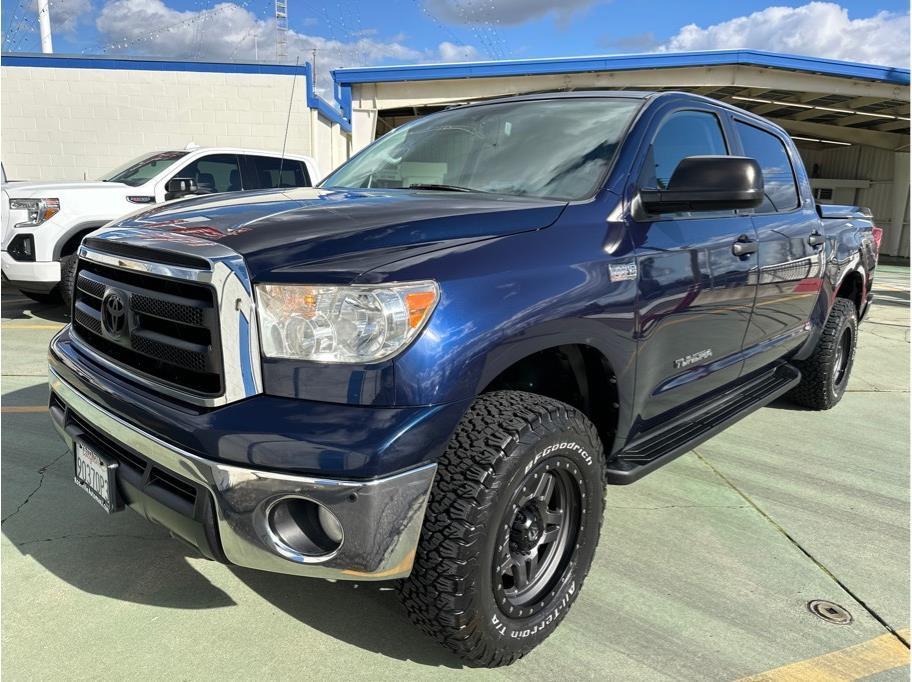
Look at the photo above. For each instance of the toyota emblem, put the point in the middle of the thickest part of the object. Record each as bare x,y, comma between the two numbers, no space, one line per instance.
114,313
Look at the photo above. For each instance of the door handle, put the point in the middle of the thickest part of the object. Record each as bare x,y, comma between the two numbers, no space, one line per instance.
744,246
816,239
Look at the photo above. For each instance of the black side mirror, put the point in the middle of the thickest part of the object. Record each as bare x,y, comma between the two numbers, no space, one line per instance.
176,188
708,183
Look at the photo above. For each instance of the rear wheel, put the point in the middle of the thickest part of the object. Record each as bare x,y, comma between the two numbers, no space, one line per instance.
510,530
825,375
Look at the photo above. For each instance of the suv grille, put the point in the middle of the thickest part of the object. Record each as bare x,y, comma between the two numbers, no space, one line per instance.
166,329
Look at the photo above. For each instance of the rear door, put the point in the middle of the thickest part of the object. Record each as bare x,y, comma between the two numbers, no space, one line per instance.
791,249
213,173
272,172
695,295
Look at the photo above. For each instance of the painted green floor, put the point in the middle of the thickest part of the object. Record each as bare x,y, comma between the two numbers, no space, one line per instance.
703,571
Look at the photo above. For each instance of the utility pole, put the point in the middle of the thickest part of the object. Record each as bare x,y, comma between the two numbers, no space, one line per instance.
44,26
281,19
314,84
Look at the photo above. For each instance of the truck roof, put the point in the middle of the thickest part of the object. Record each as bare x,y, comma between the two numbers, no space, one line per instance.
627,94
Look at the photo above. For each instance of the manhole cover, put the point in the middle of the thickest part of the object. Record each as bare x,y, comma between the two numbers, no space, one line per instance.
830,612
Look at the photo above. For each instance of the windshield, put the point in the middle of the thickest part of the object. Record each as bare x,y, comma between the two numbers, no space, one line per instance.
557,148
143,169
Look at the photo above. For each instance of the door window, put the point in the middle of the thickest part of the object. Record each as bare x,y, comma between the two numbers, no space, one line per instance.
273,173
683,134
781,193
214,173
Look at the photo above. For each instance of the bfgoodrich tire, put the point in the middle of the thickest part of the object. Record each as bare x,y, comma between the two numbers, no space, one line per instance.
510,530
825,375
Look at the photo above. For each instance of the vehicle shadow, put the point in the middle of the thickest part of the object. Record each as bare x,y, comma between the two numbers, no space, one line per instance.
367,615
124,557
17,306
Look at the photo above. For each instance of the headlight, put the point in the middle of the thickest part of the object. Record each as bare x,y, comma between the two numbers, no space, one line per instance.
342,324
39,210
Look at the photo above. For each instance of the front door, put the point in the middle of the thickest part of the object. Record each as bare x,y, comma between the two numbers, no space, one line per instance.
695,295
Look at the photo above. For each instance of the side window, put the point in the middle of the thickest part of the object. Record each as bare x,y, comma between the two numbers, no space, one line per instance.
273,172
214,173
683,134
778,176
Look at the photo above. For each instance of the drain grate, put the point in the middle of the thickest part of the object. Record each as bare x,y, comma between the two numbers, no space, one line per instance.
830,612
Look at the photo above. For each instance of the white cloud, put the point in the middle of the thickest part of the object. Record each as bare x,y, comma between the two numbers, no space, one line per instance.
820,29
67,14
229,31
507,12
450,52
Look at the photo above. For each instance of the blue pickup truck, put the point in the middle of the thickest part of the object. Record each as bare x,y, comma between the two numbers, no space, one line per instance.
430,367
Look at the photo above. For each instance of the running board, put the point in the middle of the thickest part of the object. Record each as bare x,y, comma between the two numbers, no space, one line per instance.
647,454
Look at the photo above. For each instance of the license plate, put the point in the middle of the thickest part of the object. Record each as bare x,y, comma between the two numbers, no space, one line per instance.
96,474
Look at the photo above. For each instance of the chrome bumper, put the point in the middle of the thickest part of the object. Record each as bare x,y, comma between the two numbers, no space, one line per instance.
381,519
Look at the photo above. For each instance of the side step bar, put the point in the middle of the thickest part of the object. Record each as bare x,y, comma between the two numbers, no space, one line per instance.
648,453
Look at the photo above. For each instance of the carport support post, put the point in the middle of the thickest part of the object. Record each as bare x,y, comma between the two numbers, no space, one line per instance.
894,235
364,127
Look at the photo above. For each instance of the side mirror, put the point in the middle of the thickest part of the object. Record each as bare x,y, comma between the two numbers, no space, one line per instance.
708,183
176,188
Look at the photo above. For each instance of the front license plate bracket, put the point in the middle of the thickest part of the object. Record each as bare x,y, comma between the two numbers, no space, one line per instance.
96,473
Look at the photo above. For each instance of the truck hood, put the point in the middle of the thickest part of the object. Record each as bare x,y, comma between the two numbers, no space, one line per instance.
32,190
334,235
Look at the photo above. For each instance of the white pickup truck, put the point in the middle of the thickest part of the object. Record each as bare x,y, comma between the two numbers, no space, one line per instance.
44,222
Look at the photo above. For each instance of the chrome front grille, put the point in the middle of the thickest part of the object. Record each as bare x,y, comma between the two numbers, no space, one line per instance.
187,332
170,331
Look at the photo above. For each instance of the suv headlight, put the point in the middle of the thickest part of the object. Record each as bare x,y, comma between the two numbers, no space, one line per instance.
356,324
39,210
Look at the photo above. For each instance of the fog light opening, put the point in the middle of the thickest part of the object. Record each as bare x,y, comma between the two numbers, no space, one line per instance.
304,527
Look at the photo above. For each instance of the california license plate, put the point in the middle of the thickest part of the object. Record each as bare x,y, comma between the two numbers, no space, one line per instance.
96,474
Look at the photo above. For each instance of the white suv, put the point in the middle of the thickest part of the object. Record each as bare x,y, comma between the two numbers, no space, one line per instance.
44,222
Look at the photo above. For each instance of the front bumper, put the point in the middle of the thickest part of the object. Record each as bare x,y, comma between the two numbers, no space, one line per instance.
41,276
381,518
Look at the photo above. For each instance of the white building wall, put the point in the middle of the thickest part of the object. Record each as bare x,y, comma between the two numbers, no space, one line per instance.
878,166
75,123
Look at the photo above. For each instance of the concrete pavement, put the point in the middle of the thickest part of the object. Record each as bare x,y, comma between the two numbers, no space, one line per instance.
703,572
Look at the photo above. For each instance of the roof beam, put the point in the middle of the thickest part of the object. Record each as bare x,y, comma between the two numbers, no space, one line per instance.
871,138
893,125
805,114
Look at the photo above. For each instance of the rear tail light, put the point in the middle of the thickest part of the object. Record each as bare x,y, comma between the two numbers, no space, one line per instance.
878,237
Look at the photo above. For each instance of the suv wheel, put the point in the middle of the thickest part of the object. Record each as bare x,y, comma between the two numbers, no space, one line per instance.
825,375
511,527
68,279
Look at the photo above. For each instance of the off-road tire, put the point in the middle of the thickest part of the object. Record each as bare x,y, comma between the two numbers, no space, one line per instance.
822,386
504,438
46,297
68,280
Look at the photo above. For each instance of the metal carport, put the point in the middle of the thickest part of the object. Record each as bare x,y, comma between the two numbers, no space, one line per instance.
850,120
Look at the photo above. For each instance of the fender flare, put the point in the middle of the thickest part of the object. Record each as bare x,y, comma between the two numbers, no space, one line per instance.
84,227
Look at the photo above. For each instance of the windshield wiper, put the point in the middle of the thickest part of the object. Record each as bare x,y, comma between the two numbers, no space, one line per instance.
442,188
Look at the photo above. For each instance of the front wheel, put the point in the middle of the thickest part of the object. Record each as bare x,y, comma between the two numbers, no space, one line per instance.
825,375
511,527
68,279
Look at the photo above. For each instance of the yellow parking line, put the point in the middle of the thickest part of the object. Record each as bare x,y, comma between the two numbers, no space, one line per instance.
24,409
852,663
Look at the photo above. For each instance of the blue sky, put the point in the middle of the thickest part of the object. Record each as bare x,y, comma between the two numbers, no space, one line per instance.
348,33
